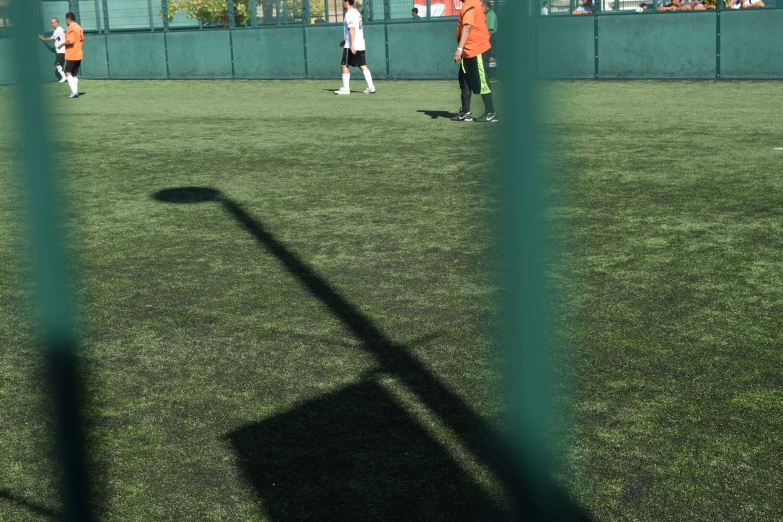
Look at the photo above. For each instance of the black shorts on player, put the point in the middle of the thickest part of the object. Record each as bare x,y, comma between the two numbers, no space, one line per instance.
72,66
353,60
59,59
473,75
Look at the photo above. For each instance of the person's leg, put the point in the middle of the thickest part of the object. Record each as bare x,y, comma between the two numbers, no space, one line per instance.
58,65
464,92
486,92
71,69
346,75
368,79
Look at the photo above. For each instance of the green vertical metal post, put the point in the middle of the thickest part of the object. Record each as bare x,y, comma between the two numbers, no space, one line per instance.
306,12
232,19
277,12
253,13
98,16
106,25
717,40
47,252
152,16
524,293
285,11
326,10
429,8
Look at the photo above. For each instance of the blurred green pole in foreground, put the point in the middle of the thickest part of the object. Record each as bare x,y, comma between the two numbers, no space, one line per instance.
49,262
523,244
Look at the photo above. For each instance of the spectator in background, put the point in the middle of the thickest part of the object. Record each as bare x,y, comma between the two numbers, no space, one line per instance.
642,8
676,5
415,14
492,26
545,8
587,7
707,4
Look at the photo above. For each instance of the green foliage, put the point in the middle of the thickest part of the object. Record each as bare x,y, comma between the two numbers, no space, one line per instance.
211,11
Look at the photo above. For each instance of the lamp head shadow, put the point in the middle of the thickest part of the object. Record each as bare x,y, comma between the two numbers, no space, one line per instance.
188,195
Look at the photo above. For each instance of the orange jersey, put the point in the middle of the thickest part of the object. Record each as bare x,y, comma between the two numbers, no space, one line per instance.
76,35
478,42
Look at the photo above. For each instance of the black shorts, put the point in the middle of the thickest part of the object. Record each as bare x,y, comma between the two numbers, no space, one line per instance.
353,60
473,75
59,59
72,66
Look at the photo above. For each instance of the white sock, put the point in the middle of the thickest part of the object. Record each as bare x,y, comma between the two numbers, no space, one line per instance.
60,72
368,77
73,83
346,80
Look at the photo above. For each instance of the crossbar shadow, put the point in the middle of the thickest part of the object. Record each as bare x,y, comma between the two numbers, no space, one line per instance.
473,431
41,510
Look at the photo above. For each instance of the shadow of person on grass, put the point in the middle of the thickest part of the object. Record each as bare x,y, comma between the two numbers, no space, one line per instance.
438,114
354,449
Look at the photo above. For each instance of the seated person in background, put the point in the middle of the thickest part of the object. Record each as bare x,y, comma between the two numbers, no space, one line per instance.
415,14
545,8
587,7
708,4
642,8
751,4
676,5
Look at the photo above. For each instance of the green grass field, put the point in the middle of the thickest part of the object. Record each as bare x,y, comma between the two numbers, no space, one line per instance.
315,340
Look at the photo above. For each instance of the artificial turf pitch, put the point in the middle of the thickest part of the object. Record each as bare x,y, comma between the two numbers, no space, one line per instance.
315,340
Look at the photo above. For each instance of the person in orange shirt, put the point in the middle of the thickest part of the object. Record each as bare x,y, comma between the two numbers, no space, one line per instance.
74,37
472,42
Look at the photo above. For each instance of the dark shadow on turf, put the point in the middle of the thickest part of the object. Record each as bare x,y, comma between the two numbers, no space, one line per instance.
51,513
355,455
472,430
438,114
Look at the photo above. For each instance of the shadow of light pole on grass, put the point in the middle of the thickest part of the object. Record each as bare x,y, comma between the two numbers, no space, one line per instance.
315,430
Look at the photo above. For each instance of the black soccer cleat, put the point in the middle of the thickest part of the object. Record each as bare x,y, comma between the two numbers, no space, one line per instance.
462,116
488,117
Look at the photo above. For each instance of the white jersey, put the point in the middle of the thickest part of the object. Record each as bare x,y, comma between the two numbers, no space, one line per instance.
353,19
59,38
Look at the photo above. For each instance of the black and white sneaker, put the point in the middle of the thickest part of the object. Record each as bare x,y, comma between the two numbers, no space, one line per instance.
462,116
488,117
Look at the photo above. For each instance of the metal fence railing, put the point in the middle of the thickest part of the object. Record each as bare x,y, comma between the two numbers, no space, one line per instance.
134,15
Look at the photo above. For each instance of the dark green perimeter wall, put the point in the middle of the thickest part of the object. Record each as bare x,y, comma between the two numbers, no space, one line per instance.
677,45
420,50
695,45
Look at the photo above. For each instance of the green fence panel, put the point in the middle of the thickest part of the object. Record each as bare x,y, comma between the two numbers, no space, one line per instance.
751,42
275,52
422,50
200,54
565,46
54,9
323,53
137,56
375,40
6,63
658,46
94,64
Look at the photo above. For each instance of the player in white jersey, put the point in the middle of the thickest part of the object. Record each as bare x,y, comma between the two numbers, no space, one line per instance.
353,48
58,37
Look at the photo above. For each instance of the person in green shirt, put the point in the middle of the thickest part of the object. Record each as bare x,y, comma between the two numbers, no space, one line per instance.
492,25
